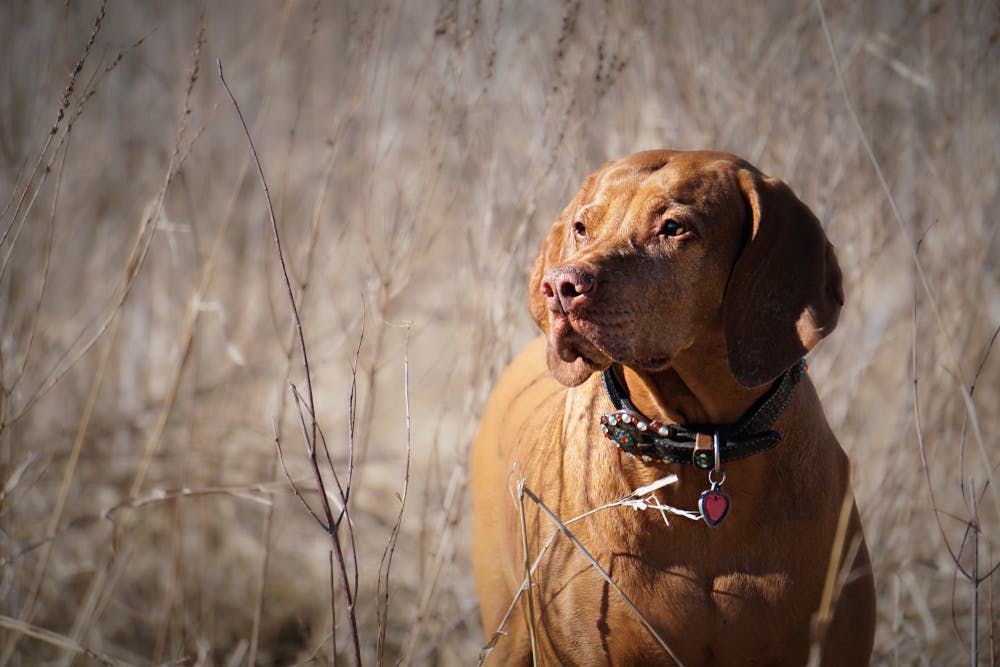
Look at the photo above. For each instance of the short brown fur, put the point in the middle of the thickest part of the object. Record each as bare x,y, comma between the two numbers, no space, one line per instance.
701,323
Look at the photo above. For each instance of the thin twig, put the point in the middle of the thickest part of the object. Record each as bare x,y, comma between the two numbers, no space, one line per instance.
641,499
921,447
382,610
607,577
974,579
60,641
911,246
60,115
831,590
43,281
310,445
55,517
530,616
292,302
331,526
342,492
352,406
971,523
291,482
189,323
282,402
445,529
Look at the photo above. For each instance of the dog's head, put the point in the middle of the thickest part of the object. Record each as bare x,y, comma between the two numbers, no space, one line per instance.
663,247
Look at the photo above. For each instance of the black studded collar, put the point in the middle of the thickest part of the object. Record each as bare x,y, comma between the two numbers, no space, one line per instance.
651,440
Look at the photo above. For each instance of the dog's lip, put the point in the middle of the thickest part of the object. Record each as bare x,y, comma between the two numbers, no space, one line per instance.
561,335
570,345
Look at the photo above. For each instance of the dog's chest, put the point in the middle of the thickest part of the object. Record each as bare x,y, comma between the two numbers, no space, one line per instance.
724,603
725,620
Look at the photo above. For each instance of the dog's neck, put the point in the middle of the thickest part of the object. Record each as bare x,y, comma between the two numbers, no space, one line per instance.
699,387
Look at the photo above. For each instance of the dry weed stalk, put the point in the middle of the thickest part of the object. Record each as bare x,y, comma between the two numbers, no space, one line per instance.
64,103
109,327
288,346
444,529
975,576
385,565
329,524
464,125
68,360
604,573
313,437
63,642
529,617
641,499
114,563
839,571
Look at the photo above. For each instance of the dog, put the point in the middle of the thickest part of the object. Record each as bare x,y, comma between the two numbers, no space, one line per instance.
677,294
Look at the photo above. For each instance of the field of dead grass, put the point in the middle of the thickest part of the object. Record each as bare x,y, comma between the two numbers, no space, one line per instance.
415,153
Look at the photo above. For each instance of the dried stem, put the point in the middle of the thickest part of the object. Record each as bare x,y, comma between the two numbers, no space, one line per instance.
331,526
607,577
59,641
912,247
382,594
530,616
60,115
838,569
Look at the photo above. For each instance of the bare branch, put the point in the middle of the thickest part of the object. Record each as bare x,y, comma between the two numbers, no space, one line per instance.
291,482
382,610
607,577
332,529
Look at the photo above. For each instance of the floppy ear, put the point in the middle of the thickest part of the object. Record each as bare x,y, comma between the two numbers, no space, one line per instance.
785,291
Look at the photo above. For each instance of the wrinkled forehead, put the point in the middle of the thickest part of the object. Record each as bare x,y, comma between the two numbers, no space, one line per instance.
611,190
623,185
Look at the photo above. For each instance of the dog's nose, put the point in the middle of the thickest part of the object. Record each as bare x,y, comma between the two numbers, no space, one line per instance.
566,287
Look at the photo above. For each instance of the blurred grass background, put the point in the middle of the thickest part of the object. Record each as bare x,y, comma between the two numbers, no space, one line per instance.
416,153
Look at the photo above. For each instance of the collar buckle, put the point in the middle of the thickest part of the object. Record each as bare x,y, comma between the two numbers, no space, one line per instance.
705,456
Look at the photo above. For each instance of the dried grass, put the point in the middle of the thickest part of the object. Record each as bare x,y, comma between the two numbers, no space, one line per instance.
416,152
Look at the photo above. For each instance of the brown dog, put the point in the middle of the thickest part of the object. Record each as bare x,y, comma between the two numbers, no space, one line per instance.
699,283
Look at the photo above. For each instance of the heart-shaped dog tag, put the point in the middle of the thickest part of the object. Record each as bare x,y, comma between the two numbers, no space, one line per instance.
713,505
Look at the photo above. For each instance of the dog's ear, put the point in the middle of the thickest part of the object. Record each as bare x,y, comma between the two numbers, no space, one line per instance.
785,291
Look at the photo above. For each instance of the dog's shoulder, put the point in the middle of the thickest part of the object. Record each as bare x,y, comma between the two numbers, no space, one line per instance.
524,387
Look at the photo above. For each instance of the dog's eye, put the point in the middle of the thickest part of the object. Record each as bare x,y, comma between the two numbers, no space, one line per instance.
580,229
672,228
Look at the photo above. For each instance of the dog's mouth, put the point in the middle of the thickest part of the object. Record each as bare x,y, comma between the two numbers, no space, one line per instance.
570,345
582,341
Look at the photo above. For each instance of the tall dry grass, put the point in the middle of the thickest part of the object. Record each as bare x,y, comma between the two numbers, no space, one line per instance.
415,152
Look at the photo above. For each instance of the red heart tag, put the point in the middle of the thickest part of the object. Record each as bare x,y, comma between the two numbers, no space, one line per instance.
714,506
